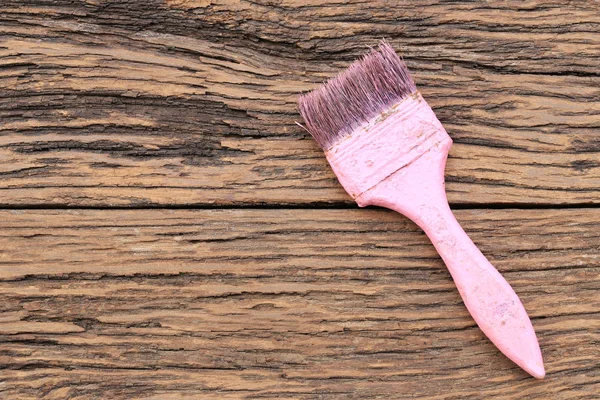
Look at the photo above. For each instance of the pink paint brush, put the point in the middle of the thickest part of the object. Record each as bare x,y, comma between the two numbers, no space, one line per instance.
388,149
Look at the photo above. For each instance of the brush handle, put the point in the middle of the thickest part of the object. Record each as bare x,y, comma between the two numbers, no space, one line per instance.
488,296
418,192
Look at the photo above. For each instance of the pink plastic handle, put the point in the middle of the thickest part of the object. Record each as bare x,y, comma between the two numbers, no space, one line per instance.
417,191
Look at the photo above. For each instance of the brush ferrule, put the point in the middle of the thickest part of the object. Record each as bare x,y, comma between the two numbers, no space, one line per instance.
389,142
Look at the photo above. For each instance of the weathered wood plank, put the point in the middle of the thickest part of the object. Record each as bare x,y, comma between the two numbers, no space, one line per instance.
108,104
284,304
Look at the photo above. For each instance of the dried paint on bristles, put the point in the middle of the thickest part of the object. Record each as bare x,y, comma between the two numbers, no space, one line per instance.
370,86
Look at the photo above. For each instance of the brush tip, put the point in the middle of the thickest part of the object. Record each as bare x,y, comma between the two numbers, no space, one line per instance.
367,88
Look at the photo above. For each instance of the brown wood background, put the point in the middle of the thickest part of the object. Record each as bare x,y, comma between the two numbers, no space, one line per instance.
168,232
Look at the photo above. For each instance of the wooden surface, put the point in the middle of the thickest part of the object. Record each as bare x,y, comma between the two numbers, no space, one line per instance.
168,232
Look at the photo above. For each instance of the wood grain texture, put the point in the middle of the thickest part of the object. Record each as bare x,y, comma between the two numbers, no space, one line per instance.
285,304
175,104
130,103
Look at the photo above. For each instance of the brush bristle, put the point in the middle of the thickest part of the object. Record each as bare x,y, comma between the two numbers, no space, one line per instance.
367,88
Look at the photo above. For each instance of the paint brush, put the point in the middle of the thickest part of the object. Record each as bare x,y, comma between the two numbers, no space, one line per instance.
388,149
